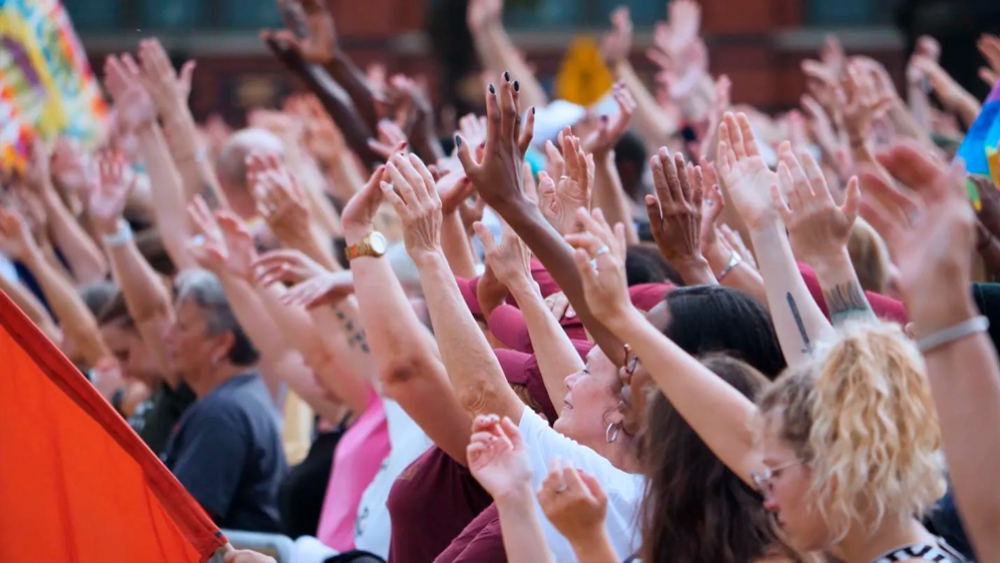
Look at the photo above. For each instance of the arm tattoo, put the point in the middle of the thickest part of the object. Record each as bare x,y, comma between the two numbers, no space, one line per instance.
847,301
806,345
354,337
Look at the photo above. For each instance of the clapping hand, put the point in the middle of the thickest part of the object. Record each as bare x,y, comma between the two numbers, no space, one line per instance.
498,458
863,100
602,141
675,212
222,243
818,229
280,199
618,44
510,260
414,196
498,176
391,139
930,232
600,258
559,201
168,92
320,42
574,502
133,106
315,286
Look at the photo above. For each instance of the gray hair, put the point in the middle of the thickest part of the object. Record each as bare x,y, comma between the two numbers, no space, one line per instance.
231,165
202,288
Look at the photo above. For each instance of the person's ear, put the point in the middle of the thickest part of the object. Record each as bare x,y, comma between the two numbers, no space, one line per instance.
222,345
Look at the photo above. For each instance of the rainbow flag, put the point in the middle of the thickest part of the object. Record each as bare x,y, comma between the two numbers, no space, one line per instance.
46,85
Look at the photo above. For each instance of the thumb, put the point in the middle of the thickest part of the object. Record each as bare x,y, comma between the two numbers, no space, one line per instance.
486,237
653,209
546,185
593,486
187,71
465,157
513,434
852,199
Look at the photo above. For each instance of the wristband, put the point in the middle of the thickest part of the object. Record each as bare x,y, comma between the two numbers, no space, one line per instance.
122,236
734,260
953,333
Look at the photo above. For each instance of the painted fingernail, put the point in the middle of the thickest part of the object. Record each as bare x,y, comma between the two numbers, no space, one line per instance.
517,86
506,76
458,141
532,110
492,89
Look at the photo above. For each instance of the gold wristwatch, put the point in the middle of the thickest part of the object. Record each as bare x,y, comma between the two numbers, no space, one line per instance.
374,245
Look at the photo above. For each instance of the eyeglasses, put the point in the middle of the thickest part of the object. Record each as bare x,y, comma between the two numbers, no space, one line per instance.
762,479
631,361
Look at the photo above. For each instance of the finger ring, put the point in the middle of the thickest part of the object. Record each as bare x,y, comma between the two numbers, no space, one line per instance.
593,264
561,488
603,250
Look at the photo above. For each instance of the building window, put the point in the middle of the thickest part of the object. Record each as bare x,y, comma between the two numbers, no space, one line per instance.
833,13
111,15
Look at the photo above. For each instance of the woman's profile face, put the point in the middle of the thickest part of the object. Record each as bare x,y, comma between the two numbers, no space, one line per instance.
590,403
788,493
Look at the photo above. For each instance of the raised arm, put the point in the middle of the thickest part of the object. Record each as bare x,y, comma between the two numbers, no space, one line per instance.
146,297
930,233
472,367
27,302
498,53
609,196
82,254
404,351
715,410
511,263
498,180
77,322
798,320
169,94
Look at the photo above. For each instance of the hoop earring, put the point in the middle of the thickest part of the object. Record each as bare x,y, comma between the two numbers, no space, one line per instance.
608,435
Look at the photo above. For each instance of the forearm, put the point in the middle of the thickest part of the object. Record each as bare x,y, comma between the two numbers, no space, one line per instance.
556,255
31,306
191,159
316,245
472,367
966,107
334,99
845,299
311,179
966,390
168,197
720,415
609,196
353,81
292,369
76,320
457,247
742,276
345,341
595,549
906,123
556,355
920,105
798,320
650,120
523,540
405,357
80,251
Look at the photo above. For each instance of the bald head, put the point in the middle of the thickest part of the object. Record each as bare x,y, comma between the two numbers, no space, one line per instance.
231,167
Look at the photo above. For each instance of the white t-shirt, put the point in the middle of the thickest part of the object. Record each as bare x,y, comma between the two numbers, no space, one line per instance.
407,442
624,490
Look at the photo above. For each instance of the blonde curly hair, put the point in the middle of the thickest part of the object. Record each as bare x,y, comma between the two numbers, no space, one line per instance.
860,415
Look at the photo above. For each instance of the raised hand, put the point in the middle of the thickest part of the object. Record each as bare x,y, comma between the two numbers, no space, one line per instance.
989,46
16,241
168,92
280,199
930,232
744,172
133,106
208,245
823,84
453,186
472,128
618,43
497,456
818,229
107,202
600,258
559,201
510,260
574,502
328,288
414,196
285,266
38,175
863,101
681,29
320,43
391,139
832,54
675,212
483,13
498,176
602,140
361,209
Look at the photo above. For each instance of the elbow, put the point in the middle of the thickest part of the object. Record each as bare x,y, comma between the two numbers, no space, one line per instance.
478,397
400,371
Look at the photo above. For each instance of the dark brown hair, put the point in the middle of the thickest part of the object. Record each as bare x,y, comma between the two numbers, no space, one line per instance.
695,509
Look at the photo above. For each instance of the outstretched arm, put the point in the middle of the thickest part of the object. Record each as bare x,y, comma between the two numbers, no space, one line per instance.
498,53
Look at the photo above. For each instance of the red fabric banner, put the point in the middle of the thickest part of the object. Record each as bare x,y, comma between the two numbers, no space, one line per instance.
76,483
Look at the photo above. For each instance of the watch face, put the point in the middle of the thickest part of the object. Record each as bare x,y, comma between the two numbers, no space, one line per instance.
378,243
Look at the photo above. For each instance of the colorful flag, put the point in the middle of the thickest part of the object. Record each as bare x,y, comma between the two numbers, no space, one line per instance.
76,483
980,143
46,86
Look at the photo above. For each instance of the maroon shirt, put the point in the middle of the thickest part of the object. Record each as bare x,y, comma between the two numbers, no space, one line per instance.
430,504
480,542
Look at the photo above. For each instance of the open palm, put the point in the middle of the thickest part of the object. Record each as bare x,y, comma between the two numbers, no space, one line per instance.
744,172
497,456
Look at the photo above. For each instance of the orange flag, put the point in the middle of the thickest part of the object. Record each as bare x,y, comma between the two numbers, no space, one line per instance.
76,483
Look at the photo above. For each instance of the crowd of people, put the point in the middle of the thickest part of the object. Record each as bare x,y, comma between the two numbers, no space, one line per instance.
662,328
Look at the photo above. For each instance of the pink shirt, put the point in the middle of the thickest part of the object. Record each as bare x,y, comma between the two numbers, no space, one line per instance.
357,459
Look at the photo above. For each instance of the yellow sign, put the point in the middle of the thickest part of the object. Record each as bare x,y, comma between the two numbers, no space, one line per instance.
583,77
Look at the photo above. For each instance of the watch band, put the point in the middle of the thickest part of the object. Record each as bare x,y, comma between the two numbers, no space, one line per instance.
120,237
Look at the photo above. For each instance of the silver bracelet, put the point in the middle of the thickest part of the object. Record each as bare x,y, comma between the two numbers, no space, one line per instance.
734,260
953,333
119,237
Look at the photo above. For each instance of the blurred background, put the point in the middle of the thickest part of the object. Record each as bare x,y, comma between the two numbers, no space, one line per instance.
758,43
